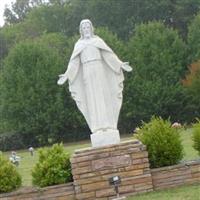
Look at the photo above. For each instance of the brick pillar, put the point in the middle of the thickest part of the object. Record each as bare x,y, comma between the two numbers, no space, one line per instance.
92,167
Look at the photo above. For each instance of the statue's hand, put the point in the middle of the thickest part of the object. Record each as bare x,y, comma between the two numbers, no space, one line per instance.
62,79
126,67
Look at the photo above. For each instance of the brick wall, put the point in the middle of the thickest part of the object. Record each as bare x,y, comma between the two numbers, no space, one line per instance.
173,176
92,168
58,192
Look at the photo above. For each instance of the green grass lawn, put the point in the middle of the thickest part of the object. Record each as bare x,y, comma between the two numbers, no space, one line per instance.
191,192
187,142
27,161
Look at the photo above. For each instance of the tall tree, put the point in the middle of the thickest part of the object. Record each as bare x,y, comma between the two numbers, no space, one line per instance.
158,57
31,101
121,16
49,18
194,40
19,10
4,47
59,2
192,85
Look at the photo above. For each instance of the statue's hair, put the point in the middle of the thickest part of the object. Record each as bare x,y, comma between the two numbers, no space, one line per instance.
91,27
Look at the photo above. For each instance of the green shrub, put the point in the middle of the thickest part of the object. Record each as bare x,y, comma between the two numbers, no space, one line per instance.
53,167
196,136
163,142
9,177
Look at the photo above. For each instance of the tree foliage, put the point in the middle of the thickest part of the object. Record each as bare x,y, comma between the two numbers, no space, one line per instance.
158,57
194,40
49,18
31,100
19,10
121,16
192,86
4,47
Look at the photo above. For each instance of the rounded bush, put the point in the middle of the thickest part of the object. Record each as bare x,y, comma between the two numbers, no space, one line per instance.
196,136
9,177
53,167
163,142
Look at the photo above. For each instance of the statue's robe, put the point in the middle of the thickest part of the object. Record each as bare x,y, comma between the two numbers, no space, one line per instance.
96,86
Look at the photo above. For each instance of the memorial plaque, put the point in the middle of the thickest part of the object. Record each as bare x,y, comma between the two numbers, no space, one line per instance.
111,162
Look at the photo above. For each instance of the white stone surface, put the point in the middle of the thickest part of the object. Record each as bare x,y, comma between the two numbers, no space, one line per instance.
119,198
95,76
103,138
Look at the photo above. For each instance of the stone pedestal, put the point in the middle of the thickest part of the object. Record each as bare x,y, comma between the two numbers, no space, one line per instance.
105,138
92,168
119,198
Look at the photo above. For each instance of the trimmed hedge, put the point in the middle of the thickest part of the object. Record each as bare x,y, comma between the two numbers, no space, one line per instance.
53,167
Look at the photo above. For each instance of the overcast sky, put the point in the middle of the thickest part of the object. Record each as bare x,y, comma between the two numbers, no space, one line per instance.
2,6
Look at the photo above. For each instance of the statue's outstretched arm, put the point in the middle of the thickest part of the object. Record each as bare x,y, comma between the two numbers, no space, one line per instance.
126,67
71,71
62,79
115,63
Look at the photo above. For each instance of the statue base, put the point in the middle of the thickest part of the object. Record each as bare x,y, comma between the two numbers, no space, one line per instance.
93,168
119,198
103,138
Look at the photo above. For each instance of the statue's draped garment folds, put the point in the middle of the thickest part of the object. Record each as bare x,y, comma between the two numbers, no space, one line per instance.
96,83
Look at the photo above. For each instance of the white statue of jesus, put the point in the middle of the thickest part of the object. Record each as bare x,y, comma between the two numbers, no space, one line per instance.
95,81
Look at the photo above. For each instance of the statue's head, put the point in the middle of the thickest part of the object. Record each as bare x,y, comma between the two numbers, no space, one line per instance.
86,28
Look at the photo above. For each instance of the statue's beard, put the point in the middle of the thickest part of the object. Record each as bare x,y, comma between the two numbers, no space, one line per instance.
87,35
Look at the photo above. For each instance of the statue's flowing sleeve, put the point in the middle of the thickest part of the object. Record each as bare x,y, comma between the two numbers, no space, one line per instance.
112,61
109,56
73,68
114,73
75,76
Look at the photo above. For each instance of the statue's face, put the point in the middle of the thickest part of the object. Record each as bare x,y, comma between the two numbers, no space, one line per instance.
86,30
